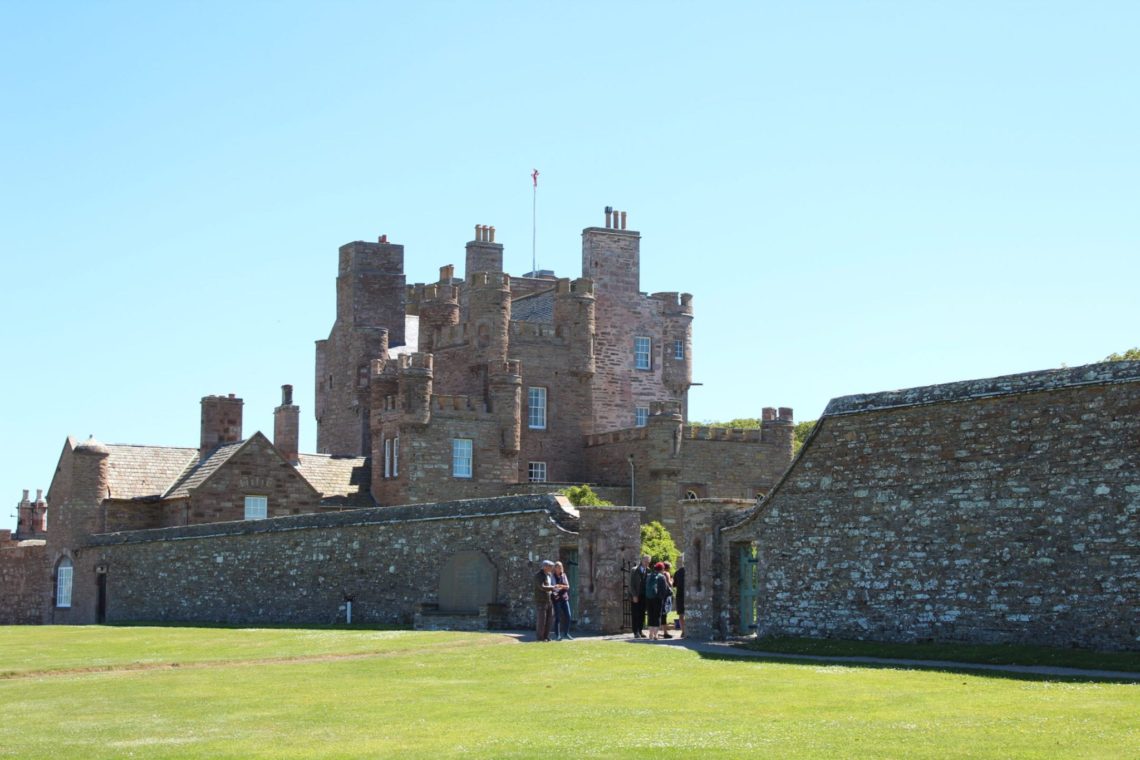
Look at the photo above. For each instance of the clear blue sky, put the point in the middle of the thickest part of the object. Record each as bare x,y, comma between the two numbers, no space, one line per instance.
862,196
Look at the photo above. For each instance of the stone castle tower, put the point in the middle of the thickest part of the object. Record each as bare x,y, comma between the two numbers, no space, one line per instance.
509,381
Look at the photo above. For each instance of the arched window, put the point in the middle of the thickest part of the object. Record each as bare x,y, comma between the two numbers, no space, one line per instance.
63,573
691,495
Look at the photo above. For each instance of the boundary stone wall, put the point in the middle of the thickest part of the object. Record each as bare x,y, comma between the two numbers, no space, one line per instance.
302,569
997,510
25,582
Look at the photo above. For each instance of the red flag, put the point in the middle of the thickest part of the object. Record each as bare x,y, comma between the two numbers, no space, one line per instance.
534,176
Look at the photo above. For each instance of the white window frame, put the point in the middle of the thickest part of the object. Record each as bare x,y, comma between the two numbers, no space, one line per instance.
256,507
462,455
678,349
640,416
642,352
536,408
64,572
387,457
536,472
396,457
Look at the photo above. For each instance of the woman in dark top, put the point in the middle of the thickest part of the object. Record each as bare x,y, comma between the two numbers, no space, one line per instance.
679,593
561,597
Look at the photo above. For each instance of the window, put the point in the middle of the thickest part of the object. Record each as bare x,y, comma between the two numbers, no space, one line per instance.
536,472
387,457
641,416
461,457
678,349
641,347
396,456
256,507
536,408
63,573
691,495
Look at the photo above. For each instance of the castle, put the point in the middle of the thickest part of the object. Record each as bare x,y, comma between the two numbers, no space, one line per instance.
477,386
483,387
997,510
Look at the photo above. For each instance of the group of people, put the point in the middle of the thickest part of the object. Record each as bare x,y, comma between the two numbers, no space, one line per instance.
552,602
654,591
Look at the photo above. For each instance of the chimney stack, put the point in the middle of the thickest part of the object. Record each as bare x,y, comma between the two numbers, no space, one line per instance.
221,422
287,426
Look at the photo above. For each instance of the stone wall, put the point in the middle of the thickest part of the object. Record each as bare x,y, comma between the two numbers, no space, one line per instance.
999,510
25,581
302,569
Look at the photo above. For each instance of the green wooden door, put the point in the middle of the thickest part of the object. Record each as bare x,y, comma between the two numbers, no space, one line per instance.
749,587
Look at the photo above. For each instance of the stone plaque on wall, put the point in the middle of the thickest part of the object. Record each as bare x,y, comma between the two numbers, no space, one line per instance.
466,581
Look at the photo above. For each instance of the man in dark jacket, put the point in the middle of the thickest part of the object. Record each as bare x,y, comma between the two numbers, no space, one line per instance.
637,597
543,605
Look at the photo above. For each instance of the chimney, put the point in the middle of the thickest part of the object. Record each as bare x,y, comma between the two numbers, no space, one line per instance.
287,426
221,422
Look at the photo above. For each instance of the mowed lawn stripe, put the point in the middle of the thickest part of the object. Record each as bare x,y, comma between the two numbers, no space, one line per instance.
588,699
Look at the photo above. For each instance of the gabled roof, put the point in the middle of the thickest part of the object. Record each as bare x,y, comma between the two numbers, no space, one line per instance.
136,472
536,307
197,473
341,481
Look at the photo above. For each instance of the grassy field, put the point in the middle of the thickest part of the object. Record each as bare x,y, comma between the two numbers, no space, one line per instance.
285,693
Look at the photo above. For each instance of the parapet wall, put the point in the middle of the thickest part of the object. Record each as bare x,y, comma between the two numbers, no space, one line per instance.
301,569
997,510
25,582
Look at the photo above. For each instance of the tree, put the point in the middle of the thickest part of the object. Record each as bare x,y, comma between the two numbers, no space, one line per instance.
1131,355
800,434
584,496
658,544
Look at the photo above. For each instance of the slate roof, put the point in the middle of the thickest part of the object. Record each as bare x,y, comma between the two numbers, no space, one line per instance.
196,474
137,472
168,472
536,307
341,481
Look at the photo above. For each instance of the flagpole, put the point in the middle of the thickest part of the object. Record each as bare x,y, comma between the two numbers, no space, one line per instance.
534,224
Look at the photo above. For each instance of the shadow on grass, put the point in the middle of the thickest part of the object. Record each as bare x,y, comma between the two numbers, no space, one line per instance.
998,670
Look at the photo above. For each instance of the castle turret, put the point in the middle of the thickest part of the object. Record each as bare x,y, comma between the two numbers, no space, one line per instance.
483,253
438,309
575,320
677,353
221,422
415,385
287,426
489,316
371,303
505,383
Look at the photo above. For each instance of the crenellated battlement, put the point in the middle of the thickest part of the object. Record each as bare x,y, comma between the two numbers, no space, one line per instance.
582,286
624,435
506,369
539,330
498,280
415,361
674,303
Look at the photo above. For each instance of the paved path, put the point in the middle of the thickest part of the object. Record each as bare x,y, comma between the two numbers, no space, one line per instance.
728,649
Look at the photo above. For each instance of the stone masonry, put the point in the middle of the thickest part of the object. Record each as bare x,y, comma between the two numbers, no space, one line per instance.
387,561
998,510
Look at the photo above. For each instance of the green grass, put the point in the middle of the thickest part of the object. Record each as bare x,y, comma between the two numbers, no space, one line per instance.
997,654
278,693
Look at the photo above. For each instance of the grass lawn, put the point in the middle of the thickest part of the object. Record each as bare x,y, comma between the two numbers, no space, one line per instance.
94,692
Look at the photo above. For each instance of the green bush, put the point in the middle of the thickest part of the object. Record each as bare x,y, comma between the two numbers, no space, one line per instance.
658,544
584,496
